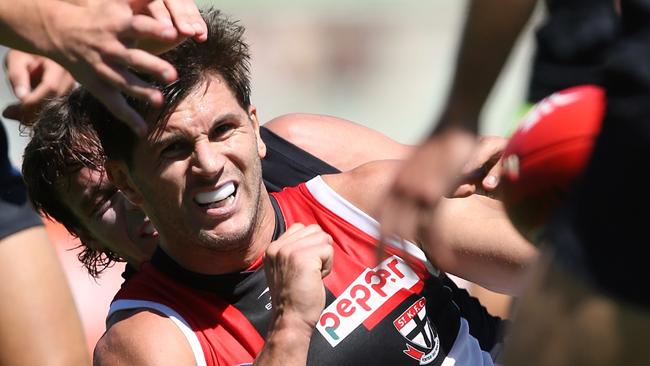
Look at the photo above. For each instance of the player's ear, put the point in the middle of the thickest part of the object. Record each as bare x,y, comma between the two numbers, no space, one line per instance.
261,146
118,173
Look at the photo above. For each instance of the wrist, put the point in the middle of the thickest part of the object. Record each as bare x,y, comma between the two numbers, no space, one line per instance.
294,325
457,120
287,342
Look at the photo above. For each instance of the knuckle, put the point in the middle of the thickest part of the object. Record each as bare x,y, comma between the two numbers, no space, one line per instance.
329,250
294,257
284,252
272,250
323,237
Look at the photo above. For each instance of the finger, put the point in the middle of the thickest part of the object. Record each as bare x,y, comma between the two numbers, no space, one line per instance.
302,238
323,253
294,228
37,96
487,152
274,247
399,222
53,82
118,106
477,160
408,222
493,177
157,10
138,6
19,78
187,19
130,84
59,78
145,27
387,225
464,190
146,63
306,231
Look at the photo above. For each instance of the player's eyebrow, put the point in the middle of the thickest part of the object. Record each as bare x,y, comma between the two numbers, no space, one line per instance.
167,140
173,137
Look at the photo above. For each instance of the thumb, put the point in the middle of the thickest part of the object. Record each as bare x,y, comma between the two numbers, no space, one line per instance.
19,78
138,6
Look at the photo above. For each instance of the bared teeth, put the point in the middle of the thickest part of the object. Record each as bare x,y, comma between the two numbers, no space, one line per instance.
217,195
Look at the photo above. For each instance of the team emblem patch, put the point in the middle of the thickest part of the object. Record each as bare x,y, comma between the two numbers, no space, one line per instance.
414,325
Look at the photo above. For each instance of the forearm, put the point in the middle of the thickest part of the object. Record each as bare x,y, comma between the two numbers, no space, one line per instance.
479,243
491,29
23,24
287,343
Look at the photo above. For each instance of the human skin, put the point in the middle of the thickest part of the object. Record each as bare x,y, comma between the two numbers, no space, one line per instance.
433,169
112,222
210,143
40,324
205,146
33,78
94,41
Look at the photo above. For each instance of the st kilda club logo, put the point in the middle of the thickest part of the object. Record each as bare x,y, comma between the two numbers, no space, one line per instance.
423,344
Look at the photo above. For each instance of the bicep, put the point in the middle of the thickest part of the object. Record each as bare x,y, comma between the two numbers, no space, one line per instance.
143,338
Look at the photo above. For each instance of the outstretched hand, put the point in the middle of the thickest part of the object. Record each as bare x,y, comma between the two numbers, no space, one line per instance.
482,172
454,165
96,44
429,174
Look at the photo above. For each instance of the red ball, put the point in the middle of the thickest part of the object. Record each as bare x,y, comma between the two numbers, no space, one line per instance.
548,153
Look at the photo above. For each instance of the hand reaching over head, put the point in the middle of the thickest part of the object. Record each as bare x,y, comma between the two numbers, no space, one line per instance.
98,43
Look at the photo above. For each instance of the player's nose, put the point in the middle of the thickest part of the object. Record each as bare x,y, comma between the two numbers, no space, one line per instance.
206,159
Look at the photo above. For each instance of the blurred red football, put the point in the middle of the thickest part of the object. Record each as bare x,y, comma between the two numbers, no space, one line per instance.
547,154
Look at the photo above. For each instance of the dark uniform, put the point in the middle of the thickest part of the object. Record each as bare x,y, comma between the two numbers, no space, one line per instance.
601,232
16,213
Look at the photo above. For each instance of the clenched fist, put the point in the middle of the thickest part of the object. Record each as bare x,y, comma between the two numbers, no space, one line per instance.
295,266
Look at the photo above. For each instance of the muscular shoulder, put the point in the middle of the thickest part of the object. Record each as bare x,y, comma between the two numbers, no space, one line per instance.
335,140
143,337
367,185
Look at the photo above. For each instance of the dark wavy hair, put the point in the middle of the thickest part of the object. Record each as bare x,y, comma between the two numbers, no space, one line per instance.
225,53
63,141
66,136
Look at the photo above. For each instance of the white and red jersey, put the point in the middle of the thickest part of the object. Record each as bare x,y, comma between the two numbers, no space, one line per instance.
386,313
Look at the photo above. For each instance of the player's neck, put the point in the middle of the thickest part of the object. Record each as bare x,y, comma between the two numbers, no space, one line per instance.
237,257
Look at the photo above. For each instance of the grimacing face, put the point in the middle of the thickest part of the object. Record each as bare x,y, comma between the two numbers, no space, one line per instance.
111,221
200,180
